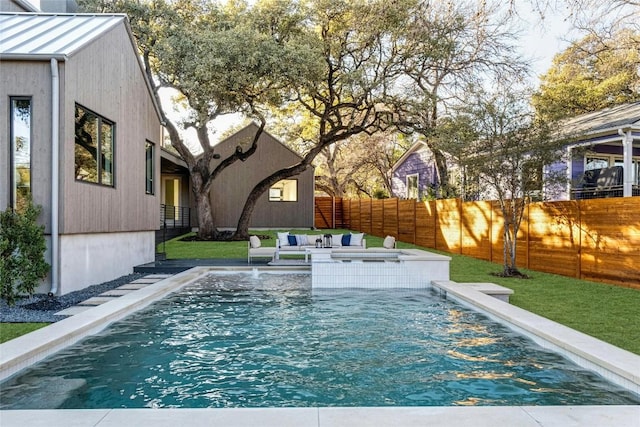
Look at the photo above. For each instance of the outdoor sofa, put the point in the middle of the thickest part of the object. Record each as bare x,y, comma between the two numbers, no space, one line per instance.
297,244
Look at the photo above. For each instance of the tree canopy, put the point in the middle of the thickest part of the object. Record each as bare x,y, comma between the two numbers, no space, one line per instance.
592,74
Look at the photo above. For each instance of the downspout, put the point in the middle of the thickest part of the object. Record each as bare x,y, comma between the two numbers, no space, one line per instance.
627,150
55,175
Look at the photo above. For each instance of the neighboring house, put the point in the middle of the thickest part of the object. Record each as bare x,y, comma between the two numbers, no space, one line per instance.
288,204
81,138
415,176
604,160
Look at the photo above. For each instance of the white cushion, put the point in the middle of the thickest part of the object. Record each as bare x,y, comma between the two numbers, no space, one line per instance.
336,239
389,242
356,239
302,240
283,238
254,241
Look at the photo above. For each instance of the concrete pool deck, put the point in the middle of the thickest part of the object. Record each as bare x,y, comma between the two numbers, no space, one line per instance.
28,349
478,416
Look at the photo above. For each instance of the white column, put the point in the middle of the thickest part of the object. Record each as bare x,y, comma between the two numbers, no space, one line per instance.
627,150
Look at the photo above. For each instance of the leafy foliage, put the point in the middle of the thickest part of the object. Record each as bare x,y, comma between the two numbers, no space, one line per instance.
22,248
592,74
507,150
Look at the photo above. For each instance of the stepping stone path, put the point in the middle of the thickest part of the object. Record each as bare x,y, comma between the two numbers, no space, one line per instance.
113,294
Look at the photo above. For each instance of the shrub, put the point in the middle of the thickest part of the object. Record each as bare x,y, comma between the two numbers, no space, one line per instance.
22,247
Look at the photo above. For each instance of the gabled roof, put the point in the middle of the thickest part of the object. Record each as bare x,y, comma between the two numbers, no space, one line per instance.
254,127
607,121
44,36
417,146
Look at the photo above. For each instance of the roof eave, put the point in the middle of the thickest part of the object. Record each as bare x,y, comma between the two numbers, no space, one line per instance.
33,56
415,147
613,131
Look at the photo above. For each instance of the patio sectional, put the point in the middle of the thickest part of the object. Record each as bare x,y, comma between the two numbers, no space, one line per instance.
297,244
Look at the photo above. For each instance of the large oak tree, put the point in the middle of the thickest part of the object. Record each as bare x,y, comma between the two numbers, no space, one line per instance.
218,59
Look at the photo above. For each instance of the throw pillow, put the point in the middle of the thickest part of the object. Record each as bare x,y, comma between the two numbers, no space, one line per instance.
292,240
356,239
254,241
336,240
346,240
302,239
283,238
389,242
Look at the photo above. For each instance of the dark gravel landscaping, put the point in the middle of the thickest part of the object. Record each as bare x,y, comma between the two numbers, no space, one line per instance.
41,308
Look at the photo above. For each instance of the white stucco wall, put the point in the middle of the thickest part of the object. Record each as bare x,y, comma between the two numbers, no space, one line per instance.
90,259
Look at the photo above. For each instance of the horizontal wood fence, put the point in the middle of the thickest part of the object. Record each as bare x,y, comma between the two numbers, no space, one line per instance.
596,239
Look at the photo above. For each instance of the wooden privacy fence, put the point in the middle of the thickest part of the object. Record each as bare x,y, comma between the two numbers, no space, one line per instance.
596,239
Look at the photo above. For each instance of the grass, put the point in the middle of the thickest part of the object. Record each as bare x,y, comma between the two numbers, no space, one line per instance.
610,313
9,331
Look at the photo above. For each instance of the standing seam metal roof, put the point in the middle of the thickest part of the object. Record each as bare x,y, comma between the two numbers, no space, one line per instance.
58,36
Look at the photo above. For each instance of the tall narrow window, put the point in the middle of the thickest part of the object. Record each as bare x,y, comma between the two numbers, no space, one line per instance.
94,148
412,186
20,152
148,167
284,191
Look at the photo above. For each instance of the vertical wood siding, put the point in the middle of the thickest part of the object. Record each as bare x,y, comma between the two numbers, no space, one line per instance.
106,78
230,190
595,239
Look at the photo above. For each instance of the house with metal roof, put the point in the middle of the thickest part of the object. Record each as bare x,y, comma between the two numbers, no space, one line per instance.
82,141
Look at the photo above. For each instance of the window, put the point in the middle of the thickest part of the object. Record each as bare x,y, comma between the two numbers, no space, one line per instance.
532,178
94,147
412,186
149,150
596,163
20,152
284,191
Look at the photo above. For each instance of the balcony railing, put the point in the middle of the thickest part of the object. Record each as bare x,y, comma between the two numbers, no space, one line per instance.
175,216
602,192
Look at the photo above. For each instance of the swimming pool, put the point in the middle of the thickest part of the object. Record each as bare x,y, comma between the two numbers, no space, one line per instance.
244,341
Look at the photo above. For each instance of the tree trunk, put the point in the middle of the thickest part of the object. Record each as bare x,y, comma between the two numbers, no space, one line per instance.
206,226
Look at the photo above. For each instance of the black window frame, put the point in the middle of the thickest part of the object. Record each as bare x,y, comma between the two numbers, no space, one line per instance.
149,168
13,189
101,120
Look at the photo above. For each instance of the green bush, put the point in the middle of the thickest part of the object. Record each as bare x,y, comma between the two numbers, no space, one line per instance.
22,248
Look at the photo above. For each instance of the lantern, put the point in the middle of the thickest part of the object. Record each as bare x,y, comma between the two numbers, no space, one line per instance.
327,241
318,242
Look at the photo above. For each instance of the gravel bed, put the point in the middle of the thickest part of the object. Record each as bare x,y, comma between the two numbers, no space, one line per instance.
41,308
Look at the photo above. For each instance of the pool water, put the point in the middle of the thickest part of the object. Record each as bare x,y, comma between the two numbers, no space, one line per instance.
268,341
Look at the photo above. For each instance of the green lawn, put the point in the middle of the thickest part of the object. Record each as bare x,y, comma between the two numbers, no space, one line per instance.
610,313
9,331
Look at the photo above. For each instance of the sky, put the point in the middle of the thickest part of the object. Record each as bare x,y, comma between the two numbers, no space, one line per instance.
541,40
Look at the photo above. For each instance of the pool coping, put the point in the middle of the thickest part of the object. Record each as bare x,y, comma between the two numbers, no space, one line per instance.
26,350
615,364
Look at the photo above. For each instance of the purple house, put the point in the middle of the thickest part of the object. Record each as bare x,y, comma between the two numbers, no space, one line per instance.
414,175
